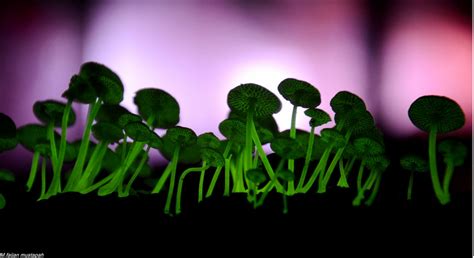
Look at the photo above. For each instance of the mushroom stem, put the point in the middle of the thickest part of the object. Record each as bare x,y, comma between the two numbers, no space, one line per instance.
94,159
227,176
218,170
342,179
448,175
307,160
434,169
164,177
81,157
373,195
248,143
172,181
43,179
410,186
360,194
201,181
136,173
124,148
320,167
263,156
34,169
63,141
291,162
181,182
360,175
55,186
332,166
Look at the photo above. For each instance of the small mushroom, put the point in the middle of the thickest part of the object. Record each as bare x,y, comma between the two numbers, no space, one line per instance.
414,164
157,107
345,101
454,154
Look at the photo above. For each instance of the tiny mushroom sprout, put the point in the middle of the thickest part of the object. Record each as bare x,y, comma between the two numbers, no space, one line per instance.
157,107
377,165
177,138
255,101
95,85
286,176
414,164
8,138
300,94
256,176
454,153
366,148
436,114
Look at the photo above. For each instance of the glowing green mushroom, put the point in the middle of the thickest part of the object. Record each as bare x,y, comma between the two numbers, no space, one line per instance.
454,153
256,176
345,101
254,101
436,114
377,165
414,164
157,107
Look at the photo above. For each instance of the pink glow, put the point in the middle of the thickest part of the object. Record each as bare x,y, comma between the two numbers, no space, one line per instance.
425,54
198,52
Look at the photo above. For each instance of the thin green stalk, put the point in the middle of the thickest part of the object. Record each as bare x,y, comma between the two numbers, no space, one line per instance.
227,177
254,197
180,186
360,194
34,169
291,162
332,166
164,177
43,179
124,148
371,182
347,168
410,186
63,141
373,195
360,175
218,170
448,175
81,157
201,181
96,168
342,179
285,203
248,143
317,170
94,159
269,186
136,173
307,160
99,184
172,181
263,156
434,169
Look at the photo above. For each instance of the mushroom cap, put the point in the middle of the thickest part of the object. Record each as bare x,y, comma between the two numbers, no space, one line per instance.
267,122
208,140
318,117
32,134
299,93
158,104
107,132
333,137
453,150
8,137
80,90
378,163
139,132
190,154
256,175
285,175
414,163
52,111
181,136
436,112
111,113
365,147
355,120
154,141
107,83
372,132
212,157
287,148
253,98
7,175
233,129
128,118
345,101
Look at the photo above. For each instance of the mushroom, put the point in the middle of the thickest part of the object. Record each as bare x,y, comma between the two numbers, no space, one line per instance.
454,153
300,94
286,176
436,114
414,164
157,107
255,101
256,176
377,165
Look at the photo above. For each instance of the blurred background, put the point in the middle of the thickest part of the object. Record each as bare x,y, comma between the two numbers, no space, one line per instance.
387,52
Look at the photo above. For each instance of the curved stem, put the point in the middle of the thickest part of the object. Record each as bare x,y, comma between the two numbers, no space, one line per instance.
63,141
291,162
307,160
263,156
34,169
360,175
136,173
448,175
180,186
43,179
332,166
317,170
360,194
94,159
81,157
434,169
201,181
218,170
410,186
342,179
98,184
172,181
375,191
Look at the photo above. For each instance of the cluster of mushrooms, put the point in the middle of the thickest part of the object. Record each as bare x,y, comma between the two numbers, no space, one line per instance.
117,155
